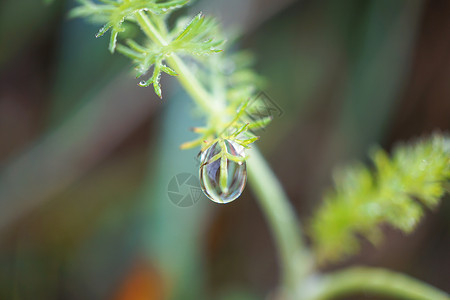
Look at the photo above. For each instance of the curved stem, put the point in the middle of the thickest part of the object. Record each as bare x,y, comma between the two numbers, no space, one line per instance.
376,281
187,79
295,259
286,230
192,85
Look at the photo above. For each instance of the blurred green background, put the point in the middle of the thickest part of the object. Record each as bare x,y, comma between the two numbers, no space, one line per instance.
86,155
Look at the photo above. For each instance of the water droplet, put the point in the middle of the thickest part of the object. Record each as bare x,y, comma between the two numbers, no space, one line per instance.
233,182
143,84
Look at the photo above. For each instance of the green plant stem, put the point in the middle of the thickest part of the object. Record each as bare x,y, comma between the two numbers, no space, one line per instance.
193,86
376,281
294,256
295,259
187,79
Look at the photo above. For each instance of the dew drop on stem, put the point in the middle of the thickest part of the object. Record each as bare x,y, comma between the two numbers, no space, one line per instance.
217,186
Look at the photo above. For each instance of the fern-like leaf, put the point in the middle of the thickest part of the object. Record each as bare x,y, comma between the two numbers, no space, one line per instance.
114,13
197,37
395,193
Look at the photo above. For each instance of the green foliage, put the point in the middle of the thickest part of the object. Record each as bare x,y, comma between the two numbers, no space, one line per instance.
144,59
114,13
224,87
395,193
234,86
228,80
194,40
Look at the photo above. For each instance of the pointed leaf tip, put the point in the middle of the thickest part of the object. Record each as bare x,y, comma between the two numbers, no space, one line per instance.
157,88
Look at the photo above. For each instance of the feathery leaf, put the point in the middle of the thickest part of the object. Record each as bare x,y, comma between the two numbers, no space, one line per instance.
395,193
114,13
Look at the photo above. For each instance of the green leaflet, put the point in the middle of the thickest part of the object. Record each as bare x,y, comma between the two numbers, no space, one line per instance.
114,13
239,94
196,38
395,193
193,40
229,80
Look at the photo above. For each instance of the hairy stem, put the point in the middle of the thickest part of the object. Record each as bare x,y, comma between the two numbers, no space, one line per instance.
376,281
187,79
294,257
286,230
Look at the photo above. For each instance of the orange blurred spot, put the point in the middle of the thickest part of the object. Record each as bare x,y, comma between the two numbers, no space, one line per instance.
141,283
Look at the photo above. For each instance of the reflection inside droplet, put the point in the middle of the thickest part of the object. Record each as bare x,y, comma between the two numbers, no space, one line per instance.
217,186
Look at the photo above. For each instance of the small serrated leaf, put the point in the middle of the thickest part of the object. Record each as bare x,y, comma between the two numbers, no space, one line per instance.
103,30
166,7
114,13
135,46
113,41
168,70
189,28
262,123
130,53
156,79
157,88
246,143
199,37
